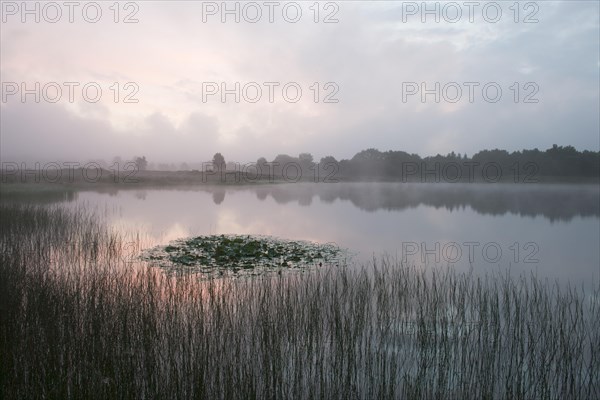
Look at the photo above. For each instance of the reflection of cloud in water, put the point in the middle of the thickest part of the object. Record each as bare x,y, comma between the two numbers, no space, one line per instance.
176,231
228,221
552,201
377,218
242,222
151,237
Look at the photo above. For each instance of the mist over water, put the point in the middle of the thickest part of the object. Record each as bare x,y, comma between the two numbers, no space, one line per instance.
550,230
300,200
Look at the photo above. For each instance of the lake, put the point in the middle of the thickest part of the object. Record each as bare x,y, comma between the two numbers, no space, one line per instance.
401,331
552,230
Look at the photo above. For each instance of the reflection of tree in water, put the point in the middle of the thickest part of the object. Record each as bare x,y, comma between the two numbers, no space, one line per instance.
553,201
305,201
303,197
262,193
218,196
140,194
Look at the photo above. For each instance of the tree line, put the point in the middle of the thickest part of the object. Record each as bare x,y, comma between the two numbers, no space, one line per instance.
372,164
488,165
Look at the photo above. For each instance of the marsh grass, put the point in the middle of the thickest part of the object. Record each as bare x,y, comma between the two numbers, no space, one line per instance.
81,321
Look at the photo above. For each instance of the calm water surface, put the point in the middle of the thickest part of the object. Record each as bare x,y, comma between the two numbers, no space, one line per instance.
550,229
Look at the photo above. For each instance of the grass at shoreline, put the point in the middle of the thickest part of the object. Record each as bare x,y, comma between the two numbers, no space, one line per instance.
80,321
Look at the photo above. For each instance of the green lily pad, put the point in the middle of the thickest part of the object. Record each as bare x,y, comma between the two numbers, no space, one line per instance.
236,253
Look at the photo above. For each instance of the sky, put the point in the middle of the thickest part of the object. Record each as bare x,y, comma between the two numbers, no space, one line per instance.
328,78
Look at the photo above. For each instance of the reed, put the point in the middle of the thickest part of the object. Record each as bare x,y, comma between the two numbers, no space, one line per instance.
79,320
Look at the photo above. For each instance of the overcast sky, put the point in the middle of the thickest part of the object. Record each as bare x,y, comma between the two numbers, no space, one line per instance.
178,52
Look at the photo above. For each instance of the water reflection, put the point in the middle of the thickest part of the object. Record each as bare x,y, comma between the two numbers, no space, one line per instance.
218,196
552,230
553,201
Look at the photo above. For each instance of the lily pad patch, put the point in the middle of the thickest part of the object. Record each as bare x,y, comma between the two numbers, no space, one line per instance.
241,253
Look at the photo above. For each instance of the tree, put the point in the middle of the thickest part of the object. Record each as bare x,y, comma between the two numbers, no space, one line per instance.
328,166
261,166
141,163
283,160
368,155
306,161
327,160
219,162
305,158
368,162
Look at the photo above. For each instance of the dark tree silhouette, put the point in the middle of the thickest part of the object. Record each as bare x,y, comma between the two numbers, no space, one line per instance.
141,163
219,162
526,166
262,167
523,166
305,159
261,161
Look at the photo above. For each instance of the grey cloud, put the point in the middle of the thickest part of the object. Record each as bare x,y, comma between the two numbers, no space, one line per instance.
369,54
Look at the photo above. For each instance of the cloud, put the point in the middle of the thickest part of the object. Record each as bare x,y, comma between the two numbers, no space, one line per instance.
369,54
55,134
